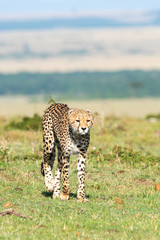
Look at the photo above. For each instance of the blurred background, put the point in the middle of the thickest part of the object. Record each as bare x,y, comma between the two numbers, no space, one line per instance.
101,55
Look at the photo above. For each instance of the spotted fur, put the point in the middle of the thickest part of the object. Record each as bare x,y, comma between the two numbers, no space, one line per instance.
68,130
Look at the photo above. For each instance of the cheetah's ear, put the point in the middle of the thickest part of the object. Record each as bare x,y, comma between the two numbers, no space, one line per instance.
90,114
88,111
71,110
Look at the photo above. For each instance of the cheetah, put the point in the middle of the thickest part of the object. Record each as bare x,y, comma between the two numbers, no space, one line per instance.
68,130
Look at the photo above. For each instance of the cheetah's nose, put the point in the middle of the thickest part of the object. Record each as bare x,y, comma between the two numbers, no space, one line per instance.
83,128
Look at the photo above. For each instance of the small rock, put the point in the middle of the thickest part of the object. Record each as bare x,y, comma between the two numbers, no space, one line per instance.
7,204
119,201
157,187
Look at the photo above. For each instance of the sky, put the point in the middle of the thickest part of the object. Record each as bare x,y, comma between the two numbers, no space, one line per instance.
27,7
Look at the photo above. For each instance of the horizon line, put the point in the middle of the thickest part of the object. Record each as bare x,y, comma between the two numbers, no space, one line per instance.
77,14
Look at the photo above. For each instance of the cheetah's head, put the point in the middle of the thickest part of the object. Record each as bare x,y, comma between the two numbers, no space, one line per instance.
80,120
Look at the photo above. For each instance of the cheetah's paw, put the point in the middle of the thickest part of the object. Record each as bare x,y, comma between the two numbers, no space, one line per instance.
49,185
56,196
64,196
82,200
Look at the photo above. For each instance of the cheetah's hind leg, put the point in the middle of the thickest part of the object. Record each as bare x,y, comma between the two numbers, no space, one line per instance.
57,177
46,170
65,190
48,153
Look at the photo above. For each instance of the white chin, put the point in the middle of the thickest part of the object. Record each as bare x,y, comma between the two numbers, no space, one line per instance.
83,133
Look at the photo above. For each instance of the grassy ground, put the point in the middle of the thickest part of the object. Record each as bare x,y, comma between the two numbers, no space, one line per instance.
122,170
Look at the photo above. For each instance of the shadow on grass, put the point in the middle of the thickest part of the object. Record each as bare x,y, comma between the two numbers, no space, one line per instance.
47,194
72,195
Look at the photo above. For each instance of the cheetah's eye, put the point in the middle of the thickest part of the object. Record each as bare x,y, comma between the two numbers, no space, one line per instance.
78,120
88,120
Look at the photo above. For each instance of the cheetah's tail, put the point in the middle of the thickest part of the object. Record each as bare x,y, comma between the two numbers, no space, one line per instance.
42,169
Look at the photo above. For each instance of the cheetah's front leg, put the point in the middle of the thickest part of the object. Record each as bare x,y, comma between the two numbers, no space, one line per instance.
81,177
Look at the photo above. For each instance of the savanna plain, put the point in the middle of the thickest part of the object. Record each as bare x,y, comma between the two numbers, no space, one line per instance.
67,50
122,177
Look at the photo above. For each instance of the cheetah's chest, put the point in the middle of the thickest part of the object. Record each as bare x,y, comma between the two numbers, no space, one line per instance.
73,147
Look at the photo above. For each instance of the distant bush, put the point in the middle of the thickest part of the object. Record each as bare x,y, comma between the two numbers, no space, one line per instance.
153,116
3,156
27,123
124,155
121,154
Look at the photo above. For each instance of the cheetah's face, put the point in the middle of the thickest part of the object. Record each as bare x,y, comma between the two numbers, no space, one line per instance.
80,121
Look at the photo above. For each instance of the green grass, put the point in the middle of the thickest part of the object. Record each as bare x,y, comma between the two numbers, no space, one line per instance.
123,162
